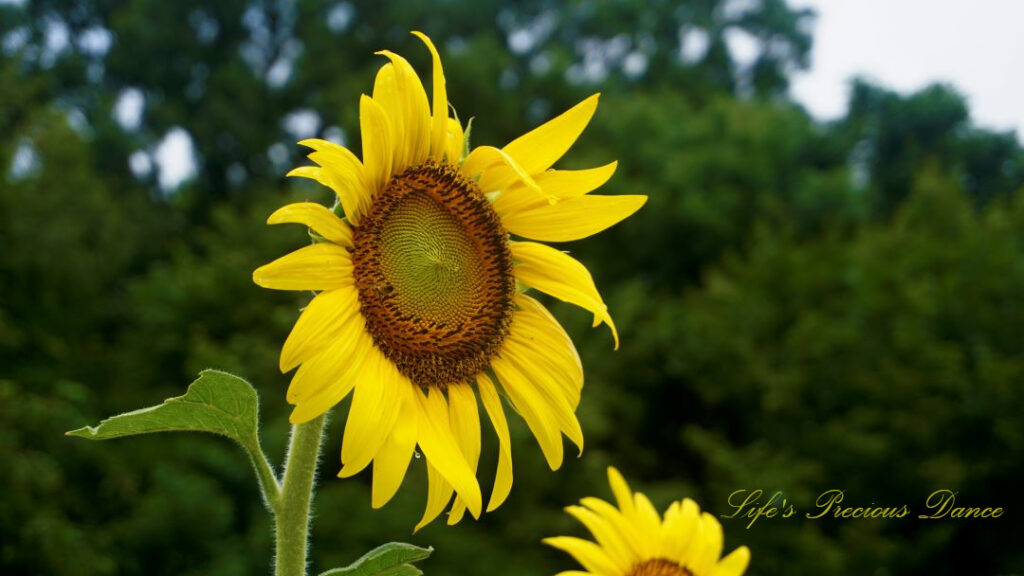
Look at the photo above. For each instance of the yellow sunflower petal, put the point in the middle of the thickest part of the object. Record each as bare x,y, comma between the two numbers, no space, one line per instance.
340,171
559,184
587,553
439,120
439,493
493,170
322,266
492,404
327,378
562,276
465,422
538,383
607,536
571,219
316,217
666,544
392,461
680,533
456,142
531,406
623,495
442,451
647,518
414,111
640,547
705,558
326,367
327,315
564,184
377,143
735,564
538,149
373,413
391,98
540,337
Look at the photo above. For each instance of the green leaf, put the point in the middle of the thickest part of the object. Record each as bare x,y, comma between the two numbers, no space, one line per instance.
392,559
218,403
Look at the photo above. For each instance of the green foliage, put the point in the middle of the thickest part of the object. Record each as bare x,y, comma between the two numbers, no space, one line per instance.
392,559
217,403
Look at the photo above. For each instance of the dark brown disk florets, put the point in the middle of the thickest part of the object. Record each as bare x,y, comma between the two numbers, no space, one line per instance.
434,274
658,567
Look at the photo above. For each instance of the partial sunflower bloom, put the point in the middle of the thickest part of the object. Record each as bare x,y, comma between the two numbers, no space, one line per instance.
632,540
418,307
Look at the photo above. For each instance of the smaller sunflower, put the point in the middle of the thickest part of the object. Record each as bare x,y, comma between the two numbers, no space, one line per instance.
632,540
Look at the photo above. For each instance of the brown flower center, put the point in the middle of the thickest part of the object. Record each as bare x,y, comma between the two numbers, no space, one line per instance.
434,274
658,567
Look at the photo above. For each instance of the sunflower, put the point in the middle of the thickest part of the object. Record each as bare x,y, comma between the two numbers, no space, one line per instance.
632,540
421,302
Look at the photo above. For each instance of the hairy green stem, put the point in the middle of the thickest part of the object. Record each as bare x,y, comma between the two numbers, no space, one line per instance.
291,519
270,489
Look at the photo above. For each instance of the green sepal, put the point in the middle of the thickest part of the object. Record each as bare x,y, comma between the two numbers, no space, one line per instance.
391,559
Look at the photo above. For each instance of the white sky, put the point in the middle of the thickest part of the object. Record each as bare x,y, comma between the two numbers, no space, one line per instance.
977,45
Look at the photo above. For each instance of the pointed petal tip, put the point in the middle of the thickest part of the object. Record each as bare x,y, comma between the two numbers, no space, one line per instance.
347,472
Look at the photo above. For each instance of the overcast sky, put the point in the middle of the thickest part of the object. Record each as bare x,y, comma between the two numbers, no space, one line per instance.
977,45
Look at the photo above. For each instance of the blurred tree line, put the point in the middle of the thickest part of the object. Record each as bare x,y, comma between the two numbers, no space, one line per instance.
804,306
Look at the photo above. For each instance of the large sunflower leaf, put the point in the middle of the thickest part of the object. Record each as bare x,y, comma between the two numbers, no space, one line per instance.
217,402
391,559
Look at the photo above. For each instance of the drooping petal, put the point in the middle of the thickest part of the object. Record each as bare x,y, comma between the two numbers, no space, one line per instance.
492,404
562,276
465,422
372,416
377,143
439,120
536,335
328,377
316,217
537,382
392,461
534,410
538,149
572,219
322,266
439,493
328,315
442,451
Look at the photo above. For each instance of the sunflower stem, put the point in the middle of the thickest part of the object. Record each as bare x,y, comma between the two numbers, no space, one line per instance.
292,509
